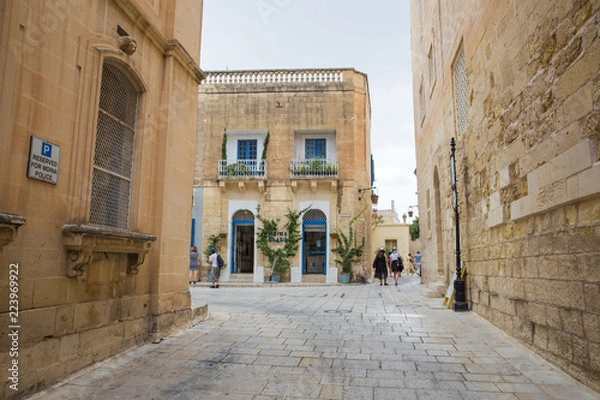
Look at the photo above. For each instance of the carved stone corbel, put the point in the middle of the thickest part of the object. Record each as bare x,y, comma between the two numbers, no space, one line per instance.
9,224
76,260
134,260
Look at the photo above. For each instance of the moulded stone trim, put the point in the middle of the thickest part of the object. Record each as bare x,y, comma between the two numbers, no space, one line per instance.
81,241
9,224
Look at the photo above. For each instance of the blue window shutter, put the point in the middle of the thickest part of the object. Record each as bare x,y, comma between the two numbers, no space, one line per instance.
247,149
315,148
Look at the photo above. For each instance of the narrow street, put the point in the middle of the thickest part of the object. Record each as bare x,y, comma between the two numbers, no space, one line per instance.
326,342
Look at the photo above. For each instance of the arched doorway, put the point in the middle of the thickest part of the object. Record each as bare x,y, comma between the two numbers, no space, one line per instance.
242,249
314,233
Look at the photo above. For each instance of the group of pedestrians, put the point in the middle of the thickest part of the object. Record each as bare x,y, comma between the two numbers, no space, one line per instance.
394,262
383,264
215,269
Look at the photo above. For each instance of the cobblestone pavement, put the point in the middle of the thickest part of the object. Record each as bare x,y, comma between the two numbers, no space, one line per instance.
326,342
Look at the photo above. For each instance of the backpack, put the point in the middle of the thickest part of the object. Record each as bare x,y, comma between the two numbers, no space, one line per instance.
220,261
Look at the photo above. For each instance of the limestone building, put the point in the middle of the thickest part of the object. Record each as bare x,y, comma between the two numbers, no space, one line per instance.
517,84
389,231
97,136
282,140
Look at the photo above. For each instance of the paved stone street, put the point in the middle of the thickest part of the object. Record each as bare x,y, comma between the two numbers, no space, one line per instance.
326,342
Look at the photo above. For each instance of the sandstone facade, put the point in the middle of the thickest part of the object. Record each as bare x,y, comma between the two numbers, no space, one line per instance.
389,231
317,158
517,84
107,86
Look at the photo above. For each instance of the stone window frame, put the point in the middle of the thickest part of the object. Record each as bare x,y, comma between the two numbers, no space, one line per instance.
235,135
431,70
107,144
80,238
300,137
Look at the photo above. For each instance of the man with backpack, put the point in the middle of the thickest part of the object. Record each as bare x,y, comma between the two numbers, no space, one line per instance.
216,262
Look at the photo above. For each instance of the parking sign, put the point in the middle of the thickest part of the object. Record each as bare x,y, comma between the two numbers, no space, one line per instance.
44,159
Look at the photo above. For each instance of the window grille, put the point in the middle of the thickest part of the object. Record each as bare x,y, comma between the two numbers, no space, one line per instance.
243,215
314,215
113,157
461,97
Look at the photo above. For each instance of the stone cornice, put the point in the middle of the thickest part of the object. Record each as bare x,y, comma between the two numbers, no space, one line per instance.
168,46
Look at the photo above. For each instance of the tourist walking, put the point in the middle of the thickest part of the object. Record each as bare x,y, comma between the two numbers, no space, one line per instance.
194,275
380,264
411,265
215,269
397,264
418,263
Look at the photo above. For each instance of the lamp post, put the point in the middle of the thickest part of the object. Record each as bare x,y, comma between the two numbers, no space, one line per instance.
460,303
411,211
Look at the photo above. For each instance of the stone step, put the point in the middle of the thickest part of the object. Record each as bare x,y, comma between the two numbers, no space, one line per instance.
314,278
240,278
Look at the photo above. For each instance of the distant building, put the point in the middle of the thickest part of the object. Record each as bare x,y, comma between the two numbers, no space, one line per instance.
295,140
517,84
97,137
389,231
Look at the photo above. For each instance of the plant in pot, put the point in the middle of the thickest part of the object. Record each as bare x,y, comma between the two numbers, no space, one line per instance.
279,253
347,250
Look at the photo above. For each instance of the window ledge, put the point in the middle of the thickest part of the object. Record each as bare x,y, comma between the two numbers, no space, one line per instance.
9,224
82,241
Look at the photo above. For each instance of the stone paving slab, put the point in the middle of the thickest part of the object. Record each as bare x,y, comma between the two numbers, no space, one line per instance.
326,342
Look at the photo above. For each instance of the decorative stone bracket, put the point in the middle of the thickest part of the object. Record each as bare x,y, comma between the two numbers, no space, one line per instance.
82,241
9,224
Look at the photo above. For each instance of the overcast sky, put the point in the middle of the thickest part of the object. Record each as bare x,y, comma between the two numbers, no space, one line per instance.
371,37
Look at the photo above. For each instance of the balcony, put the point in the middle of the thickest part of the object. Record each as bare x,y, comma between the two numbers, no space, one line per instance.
314,168
243,169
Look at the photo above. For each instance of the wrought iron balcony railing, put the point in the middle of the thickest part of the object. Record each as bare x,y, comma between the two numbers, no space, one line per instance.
242,169
314,168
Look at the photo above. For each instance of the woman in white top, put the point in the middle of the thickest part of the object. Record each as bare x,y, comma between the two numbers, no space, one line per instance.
397,264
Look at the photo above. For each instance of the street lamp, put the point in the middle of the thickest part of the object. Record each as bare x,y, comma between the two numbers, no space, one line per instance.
460,303
410,210
374,195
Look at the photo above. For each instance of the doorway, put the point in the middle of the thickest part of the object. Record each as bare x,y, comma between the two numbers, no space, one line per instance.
314,233
242,256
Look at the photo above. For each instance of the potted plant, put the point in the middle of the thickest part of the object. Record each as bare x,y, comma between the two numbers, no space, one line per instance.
279,253
347,250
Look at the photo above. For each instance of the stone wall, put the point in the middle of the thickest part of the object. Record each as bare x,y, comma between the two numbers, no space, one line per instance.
528,166
86,292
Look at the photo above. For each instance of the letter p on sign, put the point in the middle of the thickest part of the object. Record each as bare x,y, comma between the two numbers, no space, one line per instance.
46,149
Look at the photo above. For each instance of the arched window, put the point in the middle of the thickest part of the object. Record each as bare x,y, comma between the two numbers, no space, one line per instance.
113,156
314,215
243,215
